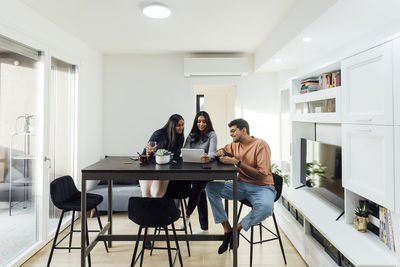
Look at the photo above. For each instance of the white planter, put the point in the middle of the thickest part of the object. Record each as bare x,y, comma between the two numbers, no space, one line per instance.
162,159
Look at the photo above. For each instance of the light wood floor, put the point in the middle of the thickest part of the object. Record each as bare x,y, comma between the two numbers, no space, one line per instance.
203,253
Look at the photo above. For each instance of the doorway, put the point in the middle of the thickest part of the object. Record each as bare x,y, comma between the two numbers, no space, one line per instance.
219,102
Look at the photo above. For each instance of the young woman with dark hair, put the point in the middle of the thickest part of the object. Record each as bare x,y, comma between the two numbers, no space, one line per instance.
169,137
202,136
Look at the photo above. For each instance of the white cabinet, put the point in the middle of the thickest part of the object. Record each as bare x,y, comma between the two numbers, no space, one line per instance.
397,166
368,164
396,80
367,78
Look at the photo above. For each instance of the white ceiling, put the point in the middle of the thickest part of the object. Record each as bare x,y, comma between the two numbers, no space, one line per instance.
118,26
269,29
345,28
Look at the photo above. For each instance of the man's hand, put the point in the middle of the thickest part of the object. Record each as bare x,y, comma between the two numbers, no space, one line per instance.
220,153
229,160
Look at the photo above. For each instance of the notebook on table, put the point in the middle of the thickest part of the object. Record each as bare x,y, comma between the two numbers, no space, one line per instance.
192,155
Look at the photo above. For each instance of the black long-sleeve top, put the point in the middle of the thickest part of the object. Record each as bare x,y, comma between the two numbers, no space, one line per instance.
161,138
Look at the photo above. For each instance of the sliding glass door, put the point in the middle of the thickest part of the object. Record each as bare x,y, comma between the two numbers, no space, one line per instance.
20,146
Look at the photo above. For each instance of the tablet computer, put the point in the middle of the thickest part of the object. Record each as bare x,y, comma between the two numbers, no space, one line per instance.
192,155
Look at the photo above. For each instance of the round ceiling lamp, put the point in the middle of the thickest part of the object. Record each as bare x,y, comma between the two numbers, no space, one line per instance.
156,11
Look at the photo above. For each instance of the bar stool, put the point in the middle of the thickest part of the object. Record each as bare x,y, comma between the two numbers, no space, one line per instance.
179,190
67,197
154,213
278,187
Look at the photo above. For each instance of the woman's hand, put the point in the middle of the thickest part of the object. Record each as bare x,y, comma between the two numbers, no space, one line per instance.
228,160
205,158
148,149
220,153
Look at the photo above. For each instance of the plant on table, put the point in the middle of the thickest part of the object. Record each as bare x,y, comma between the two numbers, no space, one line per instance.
162,152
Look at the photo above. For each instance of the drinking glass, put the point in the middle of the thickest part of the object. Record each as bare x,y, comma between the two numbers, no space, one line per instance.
153,146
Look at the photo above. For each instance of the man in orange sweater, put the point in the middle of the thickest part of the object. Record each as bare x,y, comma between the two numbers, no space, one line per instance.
252,157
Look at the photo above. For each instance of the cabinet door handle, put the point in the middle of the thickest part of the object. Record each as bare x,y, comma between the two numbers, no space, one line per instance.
364,120
364,130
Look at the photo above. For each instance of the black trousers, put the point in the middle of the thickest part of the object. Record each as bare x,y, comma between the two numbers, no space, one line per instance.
198,198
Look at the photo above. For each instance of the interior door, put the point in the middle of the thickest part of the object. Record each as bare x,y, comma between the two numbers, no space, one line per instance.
219,102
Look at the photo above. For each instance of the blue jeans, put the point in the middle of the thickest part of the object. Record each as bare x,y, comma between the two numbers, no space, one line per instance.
261,198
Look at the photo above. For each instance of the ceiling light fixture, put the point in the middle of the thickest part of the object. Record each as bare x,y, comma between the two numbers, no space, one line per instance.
156,11
307,39
278,60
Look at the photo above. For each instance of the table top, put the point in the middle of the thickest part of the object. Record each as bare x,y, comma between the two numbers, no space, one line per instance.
127,166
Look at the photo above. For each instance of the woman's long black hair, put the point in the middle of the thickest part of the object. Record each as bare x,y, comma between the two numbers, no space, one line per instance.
169,129
195,133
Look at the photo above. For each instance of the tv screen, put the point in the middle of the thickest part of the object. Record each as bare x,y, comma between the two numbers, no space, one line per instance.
321,170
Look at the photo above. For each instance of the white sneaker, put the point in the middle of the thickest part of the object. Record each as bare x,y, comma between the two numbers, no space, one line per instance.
182,226
201,232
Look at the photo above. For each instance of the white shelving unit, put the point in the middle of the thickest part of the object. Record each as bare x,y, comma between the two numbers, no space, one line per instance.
362,249
319,106
364,125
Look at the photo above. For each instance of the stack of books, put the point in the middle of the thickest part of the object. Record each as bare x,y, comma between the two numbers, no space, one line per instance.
309,85
329,80
385,228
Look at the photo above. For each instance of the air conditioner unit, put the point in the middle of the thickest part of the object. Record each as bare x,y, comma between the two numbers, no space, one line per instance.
235,66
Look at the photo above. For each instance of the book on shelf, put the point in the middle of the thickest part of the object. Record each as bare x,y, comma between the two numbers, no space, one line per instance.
330,80
386,228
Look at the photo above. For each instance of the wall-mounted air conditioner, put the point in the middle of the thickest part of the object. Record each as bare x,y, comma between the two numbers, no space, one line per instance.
233,66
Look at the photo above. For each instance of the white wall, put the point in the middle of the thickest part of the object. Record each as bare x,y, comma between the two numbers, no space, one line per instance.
142,91
20,23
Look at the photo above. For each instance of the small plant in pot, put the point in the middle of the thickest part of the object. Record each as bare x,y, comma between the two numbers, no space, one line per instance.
162,156
361,217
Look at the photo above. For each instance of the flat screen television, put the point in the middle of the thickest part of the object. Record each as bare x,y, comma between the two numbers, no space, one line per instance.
321,170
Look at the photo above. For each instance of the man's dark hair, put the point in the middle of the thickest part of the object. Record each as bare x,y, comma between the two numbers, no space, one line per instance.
240,123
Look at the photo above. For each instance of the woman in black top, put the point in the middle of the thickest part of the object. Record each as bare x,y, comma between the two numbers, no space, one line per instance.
169,137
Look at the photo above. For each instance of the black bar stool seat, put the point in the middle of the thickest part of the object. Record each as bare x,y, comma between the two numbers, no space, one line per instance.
154,213
67,197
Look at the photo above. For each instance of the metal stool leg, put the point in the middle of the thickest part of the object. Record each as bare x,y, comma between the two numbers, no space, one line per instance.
87,242
279,238
72,231
144,241
177,245
240,211
184,223
152,242
55,239
136,246
251,245
190,224
101,226
168,246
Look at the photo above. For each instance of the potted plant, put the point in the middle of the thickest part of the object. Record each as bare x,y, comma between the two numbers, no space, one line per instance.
285,176
162,156
361,217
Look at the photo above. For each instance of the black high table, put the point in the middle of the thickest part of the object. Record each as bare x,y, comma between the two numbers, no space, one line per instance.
123,168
